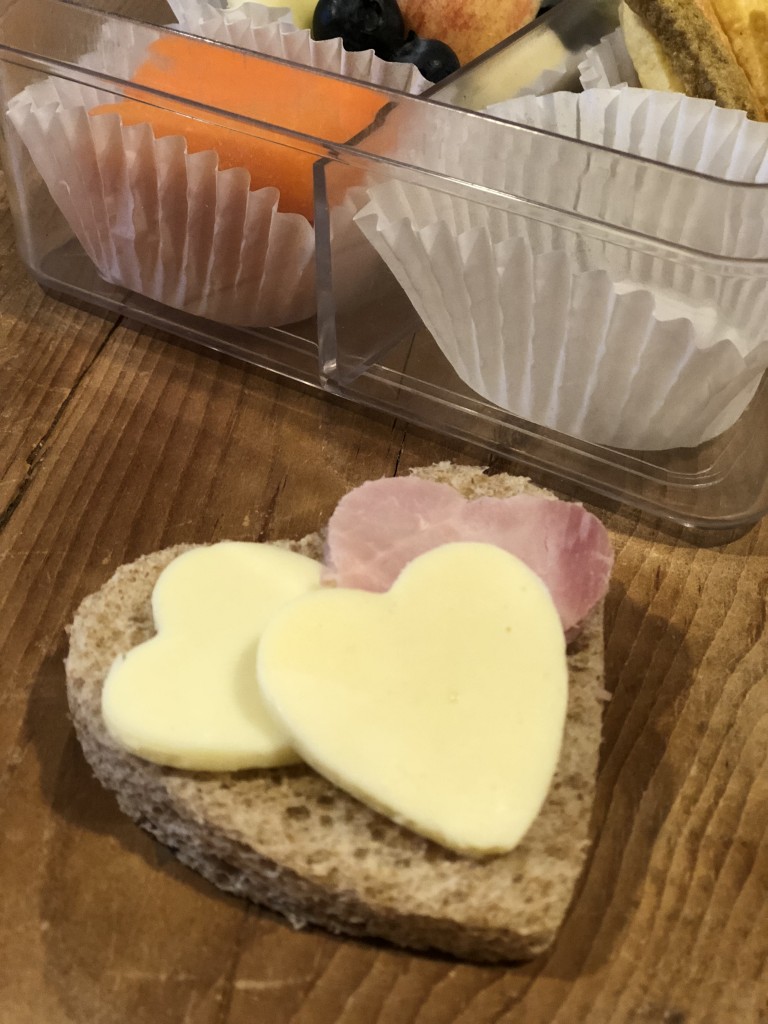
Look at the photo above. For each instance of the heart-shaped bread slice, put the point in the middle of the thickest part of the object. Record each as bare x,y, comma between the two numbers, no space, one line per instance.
441,702
290,840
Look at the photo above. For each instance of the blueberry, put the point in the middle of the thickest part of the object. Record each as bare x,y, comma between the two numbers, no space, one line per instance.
361,24
434,59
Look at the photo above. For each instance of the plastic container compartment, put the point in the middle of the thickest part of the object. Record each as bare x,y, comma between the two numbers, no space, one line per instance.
596,316
112,219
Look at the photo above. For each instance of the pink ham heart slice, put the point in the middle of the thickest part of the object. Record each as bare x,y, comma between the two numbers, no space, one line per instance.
379,527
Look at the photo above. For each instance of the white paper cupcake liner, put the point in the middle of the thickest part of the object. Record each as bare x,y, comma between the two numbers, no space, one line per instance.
675,130
608,64
160,221
640,195
254,27
637,195
192,15
584,330
563,349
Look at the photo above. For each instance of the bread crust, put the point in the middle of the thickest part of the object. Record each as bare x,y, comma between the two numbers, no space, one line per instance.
699,52
745,22
289,840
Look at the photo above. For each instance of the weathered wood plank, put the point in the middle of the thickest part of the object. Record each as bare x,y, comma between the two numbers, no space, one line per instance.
45,347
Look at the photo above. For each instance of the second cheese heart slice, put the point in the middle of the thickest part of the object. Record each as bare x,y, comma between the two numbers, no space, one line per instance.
187,697
440,703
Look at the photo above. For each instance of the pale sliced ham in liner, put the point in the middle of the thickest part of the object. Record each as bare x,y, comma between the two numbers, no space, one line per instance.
381,526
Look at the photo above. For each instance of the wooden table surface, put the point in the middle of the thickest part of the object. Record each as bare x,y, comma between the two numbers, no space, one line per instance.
116,441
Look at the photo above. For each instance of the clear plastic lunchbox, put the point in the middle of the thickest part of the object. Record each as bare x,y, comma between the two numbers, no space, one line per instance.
593,315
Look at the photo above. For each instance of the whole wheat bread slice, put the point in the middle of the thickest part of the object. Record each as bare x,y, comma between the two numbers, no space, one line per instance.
698,49
292,842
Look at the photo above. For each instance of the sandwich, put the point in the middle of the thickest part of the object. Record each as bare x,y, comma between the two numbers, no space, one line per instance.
712,49
303,843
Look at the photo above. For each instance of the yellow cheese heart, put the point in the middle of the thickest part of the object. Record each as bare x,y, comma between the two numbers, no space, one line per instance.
187,697
441,703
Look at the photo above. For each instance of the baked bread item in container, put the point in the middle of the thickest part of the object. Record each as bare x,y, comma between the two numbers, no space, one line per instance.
713,49
290,840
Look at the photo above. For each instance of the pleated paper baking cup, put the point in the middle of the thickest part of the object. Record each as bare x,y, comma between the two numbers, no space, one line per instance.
568,350
160,221
608,64
192,15
678,130
255,27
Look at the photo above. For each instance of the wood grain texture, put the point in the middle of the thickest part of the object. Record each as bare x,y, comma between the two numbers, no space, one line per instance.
116,441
